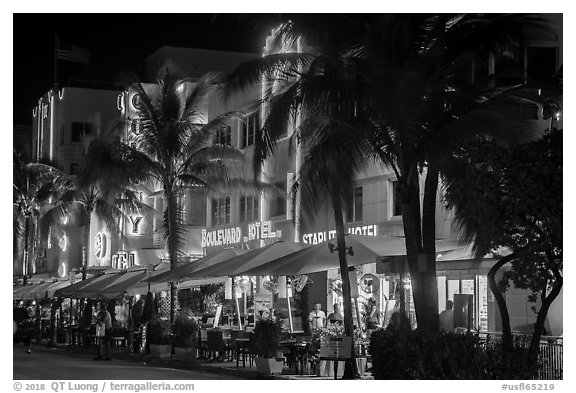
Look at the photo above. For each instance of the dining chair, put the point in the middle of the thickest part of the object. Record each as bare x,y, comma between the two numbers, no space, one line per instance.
215,344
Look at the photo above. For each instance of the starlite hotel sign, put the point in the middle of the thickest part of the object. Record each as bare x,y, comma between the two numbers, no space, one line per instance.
320,237
233,235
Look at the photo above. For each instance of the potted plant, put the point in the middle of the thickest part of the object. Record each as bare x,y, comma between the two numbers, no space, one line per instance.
158,336
266,346
325,367
185,333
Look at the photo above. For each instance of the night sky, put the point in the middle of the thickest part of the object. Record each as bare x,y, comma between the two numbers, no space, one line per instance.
118,43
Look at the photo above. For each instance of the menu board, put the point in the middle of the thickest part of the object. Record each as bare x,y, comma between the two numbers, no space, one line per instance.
262,303
336,348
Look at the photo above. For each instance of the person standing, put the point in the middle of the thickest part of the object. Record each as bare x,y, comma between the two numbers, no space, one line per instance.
104,342
374,319
446,318
317,317
336,317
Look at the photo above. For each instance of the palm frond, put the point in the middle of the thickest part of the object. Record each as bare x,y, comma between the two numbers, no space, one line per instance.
250,73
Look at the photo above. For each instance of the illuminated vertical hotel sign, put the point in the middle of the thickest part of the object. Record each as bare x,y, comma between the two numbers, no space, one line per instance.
233,235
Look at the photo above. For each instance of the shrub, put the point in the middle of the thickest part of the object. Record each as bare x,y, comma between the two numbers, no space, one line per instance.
185,329
406,354
158,331
266,340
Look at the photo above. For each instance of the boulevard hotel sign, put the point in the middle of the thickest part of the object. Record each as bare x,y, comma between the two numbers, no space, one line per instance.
234,235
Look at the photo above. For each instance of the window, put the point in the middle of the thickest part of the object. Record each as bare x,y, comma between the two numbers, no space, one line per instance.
80,130
250,126
180,206
354,212
220,211
224,137
249,208
196,210
395,204
278,205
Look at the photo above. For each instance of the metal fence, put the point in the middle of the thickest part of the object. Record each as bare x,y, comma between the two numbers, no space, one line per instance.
550,358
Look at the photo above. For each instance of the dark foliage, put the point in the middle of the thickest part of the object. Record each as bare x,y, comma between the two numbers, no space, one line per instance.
406,354
185,329
512,197
266,340
158,331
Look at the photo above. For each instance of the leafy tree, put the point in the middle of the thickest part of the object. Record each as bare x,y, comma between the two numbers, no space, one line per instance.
512,197
394,84
174,149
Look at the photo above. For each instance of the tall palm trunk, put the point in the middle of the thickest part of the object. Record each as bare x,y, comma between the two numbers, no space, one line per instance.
351,369
420,237
85,242
26,257
413,238
171,209
506,330
428,277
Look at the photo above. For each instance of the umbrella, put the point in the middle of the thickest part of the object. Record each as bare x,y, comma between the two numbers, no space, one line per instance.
143,286
239,264
19,290
74,289
181,273
37,291
195,283
54,287
115,286
466,253
93,290
317,258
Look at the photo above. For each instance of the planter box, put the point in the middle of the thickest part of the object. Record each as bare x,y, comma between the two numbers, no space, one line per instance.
269,366
160,351
188,354
325,368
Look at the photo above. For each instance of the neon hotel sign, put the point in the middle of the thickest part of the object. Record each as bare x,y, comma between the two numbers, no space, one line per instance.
233,235
319,237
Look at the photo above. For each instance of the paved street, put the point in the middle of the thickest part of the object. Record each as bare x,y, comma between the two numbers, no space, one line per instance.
48,363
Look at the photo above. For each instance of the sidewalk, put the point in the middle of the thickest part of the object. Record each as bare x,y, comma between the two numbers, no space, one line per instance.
218,368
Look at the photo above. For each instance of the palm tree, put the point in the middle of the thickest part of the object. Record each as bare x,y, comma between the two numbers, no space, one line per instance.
326,160
402,75
175,152
33,188
424,110
103,186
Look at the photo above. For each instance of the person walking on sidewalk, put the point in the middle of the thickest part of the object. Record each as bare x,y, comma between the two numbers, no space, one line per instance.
104,320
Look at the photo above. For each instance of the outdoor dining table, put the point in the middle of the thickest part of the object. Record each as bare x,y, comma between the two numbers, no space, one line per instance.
297,352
